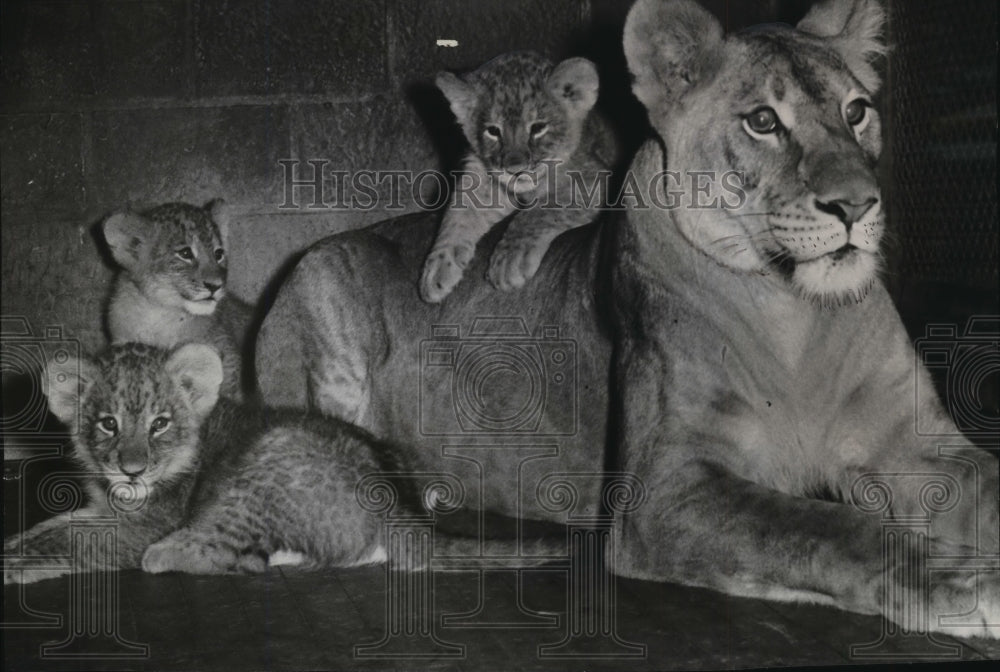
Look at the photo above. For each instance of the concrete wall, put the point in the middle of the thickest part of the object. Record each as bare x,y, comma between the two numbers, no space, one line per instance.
130,103
115,103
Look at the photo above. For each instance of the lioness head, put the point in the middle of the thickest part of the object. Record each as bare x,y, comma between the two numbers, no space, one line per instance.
175,253
790,110
135,412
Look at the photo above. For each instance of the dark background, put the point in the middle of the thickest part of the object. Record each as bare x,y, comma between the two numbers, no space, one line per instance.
106,104
115,103
109,104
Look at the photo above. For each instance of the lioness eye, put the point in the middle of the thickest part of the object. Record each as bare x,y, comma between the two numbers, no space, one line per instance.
186,253
762,120
219,254
492,132
159,424
538,129
108,424
855,111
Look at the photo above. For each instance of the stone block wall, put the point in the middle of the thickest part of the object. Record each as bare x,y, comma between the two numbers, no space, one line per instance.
106,104
109,104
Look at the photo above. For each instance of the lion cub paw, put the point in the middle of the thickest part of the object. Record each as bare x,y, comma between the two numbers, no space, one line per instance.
191,557
514,263
443,270
25,570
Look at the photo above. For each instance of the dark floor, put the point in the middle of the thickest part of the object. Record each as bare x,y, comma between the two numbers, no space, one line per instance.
296,620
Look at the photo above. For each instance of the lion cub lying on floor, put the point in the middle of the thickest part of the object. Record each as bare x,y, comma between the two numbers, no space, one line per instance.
196,483
161,450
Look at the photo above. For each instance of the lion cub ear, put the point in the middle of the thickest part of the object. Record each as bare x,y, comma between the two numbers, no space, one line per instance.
220,213
574,83
68,380
129,236
671,46
197,370
855,30
462,98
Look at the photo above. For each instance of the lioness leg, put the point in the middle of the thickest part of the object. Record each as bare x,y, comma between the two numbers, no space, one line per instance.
310,352
742,538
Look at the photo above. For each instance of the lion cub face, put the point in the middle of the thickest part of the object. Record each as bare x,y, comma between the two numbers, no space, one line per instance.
518,111
790,111
135,412
175,253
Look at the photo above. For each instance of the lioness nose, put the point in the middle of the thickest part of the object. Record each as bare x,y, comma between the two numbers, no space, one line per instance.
212,287
847,211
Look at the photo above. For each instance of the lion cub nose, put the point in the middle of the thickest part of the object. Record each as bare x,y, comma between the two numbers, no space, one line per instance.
847,211
212,287
132,467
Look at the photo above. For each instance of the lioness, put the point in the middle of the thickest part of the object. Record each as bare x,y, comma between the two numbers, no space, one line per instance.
755,359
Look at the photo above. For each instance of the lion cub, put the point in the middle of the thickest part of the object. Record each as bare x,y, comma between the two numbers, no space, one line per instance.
532,134
172,284
160,449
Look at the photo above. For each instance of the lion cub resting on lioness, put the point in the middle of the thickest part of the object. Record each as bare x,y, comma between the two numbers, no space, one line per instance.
161,449
172,286
535,147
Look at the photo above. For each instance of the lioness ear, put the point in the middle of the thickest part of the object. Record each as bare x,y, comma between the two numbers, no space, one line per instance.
574,83
856,30
67,382
197,370
671,46
462,99
128,237
220,212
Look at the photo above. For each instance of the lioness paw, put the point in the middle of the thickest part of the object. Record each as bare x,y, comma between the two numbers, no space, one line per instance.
959,603
514,263
443,270
966,604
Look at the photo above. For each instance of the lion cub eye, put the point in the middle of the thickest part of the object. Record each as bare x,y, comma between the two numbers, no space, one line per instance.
219,254
855,111
108,425
159,425
538,129
492,132
185,253
763,120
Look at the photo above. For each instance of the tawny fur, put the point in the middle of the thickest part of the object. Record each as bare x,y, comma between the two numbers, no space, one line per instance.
752,361
172,285
537,149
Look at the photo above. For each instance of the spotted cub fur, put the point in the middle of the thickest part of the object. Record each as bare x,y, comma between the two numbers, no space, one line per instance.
161,450
172,284
532,133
